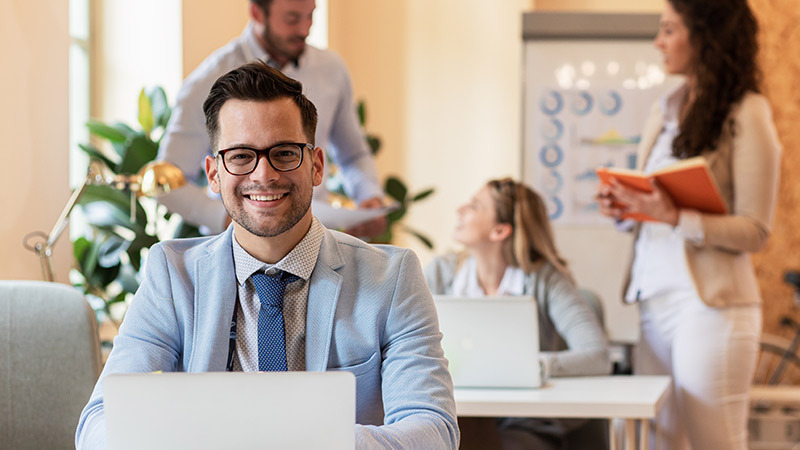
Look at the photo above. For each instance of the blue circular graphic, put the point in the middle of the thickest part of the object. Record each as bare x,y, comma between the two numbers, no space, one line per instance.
551,103
553,183
582,103
611,104
551,155
553,130
555,208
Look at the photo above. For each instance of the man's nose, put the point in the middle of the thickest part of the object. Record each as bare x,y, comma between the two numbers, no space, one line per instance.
264,170
304,27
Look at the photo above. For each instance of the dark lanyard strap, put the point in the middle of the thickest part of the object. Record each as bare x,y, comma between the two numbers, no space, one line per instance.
232,344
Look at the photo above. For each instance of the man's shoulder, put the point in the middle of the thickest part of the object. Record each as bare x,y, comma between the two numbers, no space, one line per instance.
187,248
324,58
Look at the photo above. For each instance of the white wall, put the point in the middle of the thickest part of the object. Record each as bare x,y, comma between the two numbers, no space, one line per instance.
138,45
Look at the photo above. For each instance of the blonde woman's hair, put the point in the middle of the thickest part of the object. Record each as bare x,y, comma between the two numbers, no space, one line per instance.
531,242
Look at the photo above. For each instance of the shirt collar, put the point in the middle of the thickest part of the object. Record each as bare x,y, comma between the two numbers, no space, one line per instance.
300,261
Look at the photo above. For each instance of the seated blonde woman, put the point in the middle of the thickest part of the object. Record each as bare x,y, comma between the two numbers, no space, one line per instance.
509,250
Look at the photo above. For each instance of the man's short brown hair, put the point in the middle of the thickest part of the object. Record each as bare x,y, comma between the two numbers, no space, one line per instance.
256,81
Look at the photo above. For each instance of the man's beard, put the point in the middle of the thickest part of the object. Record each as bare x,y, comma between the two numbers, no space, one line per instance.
280,44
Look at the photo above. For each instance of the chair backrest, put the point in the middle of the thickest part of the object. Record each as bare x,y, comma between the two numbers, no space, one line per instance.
49,363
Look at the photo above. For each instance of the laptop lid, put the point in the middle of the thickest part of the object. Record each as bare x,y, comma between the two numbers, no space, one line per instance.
286,410
491,341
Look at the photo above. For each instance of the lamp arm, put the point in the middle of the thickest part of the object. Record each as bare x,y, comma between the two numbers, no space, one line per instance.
63,219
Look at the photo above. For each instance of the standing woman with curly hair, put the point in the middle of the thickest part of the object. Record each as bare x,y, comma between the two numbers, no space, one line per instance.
691,275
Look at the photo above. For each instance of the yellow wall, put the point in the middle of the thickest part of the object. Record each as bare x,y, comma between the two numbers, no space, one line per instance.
35,129
628,6
208,25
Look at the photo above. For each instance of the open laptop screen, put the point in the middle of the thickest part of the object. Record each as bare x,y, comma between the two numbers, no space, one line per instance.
491,341
286,410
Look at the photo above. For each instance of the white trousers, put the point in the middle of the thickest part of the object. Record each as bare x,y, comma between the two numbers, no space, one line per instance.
710,354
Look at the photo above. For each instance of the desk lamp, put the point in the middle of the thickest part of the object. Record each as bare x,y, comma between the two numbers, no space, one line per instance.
155,178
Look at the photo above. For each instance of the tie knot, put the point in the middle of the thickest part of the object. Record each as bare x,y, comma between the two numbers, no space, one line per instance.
270,288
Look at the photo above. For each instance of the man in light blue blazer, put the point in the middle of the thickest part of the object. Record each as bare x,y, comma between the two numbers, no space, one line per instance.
347,305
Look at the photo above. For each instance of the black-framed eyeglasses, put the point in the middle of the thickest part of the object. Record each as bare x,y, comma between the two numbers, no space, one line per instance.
283,157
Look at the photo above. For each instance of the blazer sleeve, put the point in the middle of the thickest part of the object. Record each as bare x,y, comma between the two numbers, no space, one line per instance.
587,347
148,341
419,407
755,164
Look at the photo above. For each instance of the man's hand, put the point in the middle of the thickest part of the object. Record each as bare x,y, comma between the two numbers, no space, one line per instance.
656,204
373,227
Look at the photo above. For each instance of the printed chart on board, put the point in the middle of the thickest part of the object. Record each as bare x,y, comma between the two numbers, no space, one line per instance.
586,103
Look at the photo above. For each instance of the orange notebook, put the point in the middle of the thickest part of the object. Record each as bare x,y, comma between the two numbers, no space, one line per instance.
689,183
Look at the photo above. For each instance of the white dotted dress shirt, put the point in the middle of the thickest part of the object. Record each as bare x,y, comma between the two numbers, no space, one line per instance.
300,262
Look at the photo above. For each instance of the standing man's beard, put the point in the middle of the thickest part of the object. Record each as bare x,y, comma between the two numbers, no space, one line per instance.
281,45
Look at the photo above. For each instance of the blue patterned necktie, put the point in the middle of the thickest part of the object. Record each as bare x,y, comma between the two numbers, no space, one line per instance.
271,342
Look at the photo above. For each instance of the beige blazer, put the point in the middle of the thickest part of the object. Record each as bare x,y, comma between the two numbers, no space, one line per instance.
745,164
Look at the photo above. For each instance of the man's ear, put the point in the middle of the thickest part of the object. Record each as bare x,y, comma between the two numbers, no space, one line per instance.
257,14
212,175
501,232
317,166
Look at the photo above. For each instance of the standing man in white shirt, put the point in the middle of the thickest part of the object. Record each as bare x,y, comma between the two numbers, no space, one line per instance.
275,34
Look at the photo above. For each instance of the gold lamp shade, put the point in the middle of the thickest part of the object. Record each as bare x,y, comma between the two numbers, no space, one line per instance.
158,178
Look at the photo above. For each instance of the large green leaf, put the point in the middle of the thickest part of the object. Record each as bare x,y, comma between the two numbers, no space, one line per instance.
397,214
142,241
80,247
362,113
146,119
374,143
141,151
106,206
424,239
396,189
422,195
104,131
103,276
128,279
160,106
110,250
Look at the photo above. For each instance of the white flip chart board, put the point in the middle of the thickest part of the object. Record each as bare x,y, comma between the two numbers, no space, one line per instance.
589,82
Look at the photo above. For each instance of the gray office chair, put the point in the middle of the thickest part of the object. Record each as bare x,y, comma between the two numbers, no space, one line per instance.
49,363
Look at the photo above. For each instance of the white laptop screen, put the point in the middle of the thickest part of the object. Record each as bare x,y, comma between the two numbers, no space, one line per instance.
286,410
491,341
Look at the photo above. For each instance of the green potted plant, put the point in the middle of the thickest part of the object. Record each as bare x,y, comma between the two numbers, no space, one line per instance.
112,245
394,188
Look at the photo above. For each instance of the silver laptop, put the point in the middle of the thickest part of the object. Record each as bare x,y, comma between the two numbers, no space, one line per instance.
286,410
491,341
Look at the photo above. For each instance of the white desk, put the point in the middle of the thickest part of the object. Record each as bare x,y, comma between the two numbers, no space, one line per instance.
633,398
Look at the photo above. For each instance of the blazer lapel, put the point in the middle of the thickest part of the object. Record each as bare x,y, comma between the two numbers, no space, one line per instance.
652,129
214,299
323,294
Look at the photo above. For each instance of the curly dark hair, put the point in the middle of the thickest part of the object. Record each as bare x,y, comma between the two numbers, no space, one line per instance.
723,37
